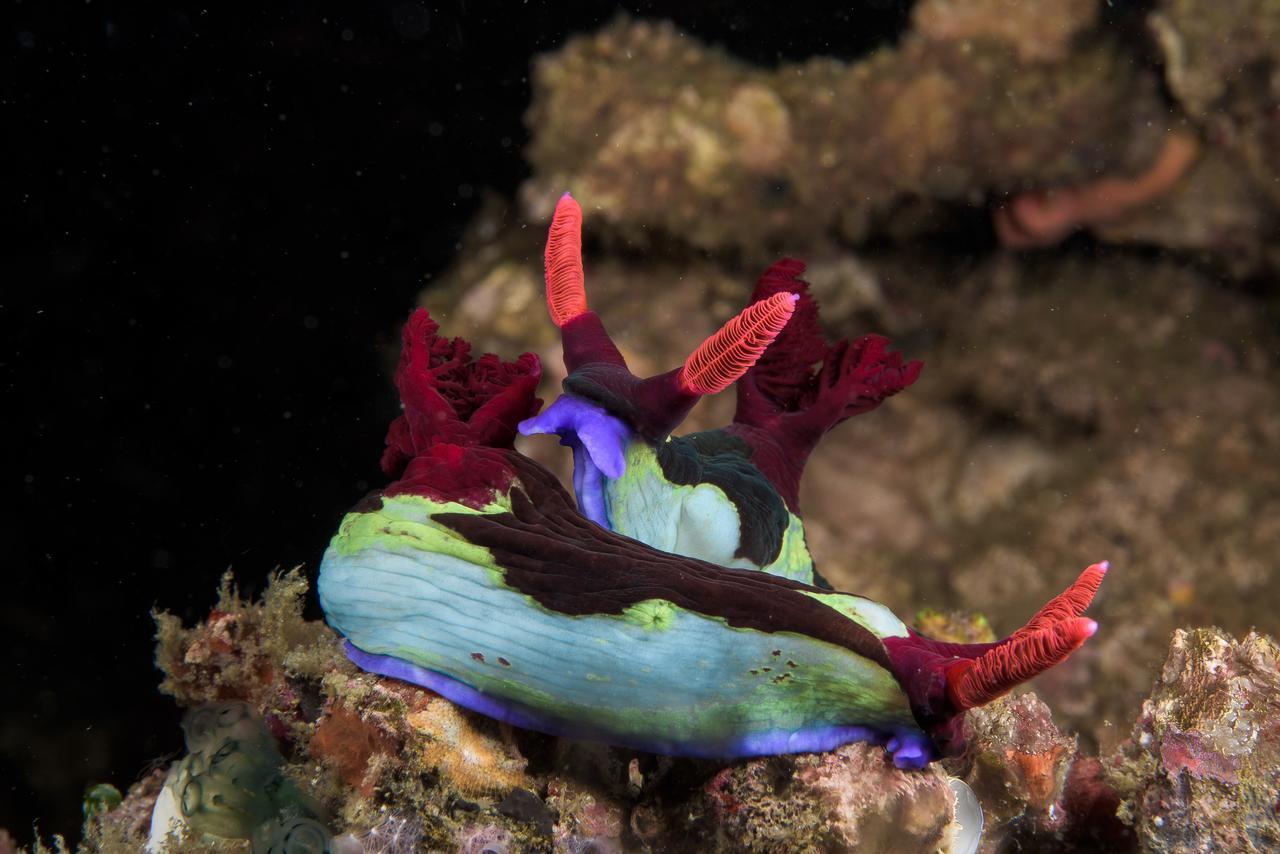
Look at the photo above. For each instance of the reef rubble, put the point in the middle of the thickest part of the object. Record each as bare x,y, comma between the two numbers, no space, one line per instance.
388,767
1202,769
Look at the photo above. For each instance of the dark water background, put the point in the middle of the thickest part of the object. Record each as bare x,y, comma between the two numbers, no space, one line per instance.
221,217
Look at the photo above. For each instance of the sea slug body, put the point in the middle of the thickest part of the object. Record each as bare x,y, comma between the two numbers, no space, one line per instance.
612,616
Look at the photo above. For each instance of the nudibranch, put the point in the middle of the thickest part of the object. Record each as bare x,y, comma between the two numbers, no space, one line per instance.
729,496
476,575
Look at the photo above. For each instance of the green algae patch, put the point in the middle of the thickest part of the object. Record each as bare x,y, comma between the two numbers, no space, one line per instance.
239,648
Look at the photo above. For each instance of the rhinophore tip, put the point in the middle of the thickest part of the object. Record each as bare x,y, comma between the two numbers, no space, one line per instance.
1072,602
566,290
1057,630
729,353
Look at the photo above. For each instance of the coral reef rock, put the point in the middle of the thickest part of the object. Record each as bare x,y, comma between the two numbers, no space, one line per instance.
1221,62
660,134
1018,762
1202,771
589,820
851,799
1036,792
385,766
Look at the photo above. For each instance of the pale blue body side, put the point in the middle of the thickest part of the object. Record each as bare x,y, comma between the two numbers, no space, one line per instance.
657,677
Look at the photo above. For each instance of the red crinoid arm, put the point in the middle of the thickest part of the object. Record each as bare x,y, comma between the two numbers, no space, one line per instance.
1072,602
727,355
566,292
974,682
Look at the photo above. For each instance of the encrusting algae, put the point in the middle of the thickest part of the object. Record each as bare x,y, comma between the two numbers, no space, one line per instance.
455,745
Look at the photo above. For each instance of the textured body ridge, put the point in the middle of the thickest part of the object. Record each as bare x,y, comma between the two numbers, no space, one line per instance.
669,604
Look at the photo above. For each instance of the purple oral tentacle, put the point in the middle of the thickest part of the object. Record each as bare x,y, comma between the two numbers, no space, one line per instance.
588,483
606,439
604,436
599,442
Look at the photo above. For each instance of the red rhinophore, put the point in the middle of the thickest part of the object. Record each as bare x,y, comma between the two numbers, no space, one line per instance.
727,355
943,680
566,291
597,371
1072,602
973,682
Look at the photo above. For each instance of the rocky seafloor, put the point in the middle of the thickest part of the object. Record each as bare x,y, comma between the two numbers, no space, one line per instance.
315,755
1113,398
